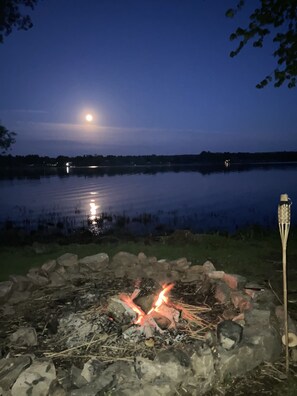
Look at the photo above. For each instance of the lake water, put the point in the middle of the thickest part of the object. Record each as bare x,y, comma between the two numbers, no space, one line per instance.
145,200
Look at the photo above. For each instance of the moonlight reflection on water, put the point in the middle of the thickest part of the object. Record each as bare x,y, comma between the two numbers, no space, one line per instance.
145,202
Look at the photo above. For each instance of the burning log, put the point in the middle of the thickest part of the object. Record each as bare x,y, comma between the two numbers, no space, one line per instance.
159,318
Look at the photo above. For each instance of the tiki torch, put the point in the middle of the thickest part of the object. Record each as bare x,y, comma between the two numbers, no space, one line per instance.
284,218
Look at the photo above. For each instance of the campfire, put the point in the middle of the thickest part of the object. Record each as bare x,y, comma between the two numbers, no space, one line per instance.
132,323
158,314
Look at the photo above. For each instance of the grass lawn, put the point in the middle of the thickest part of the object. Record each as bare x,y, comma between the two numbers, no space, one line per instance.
254,255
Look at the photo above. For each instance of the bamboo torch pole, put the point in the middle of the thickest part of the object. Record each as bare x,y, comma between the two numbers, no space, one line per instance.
284,218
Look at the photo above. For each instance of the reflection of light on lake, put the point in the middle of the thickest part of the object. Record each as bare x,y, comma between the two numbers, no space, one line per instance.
68,164
93,211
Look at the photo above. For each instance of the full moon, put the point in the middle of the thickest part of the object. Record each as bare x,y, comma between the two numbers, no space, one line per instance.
89,118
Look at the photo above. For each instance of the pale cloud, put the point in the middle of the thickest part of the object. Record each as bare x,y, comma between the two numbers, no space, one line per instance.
81,138
83,132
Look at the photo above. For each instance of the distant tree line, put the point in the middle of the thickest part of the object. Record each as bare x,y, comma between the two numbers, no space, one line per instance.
205,157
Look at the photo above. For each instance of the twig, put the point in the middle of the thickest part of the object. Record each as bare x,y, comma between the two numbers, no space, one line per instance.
273,291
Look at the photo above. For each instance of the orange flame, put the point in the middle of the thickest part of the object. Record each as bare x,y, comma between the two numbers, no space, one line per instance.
161,298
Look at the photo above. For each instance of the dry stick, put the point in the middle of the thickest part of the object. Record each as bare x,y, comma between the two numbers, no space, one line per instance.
65,351
274,292
284,226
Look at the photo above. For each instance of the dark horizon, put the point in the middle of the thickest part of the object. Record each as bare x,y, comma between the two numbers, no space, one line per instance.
203,158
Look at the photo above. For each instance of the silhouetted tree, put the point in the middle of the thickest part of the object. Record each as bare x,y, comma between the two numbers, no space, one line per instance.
11,16
6,139
281,17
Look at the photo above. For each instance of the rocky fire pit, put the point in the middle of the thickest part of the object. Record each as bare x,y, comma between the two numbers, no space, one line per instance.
132,325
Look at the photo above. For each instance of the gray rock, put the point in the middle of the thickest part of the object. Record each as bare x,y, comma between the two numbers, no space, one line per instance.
152,260
202,365
208,266
61,270
92,369
259,317
266,338
34,270
4,392
67,260
24,336
115,375
35,380
103,383
56,389
170,365
49,266
131,273
10,369
161,272
180,264
5,290
161,265
173,355
119,272
158,388
57,279
261,331
37,279
193,274
265,300
124,259
76,377
142,259
229,334
64,378
20,282
238,361
222,293
71,271
95,263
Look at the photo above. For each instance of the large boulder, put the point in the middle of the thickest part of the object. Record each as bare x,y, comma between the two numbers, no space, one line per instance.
95,263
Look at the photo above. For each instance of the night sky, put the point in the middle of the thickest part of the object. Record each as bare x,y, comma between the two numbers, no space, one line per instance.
155,74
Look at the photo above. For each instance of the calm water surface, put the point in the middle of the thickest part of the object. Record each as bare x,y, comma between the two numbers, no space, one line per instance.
144,201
